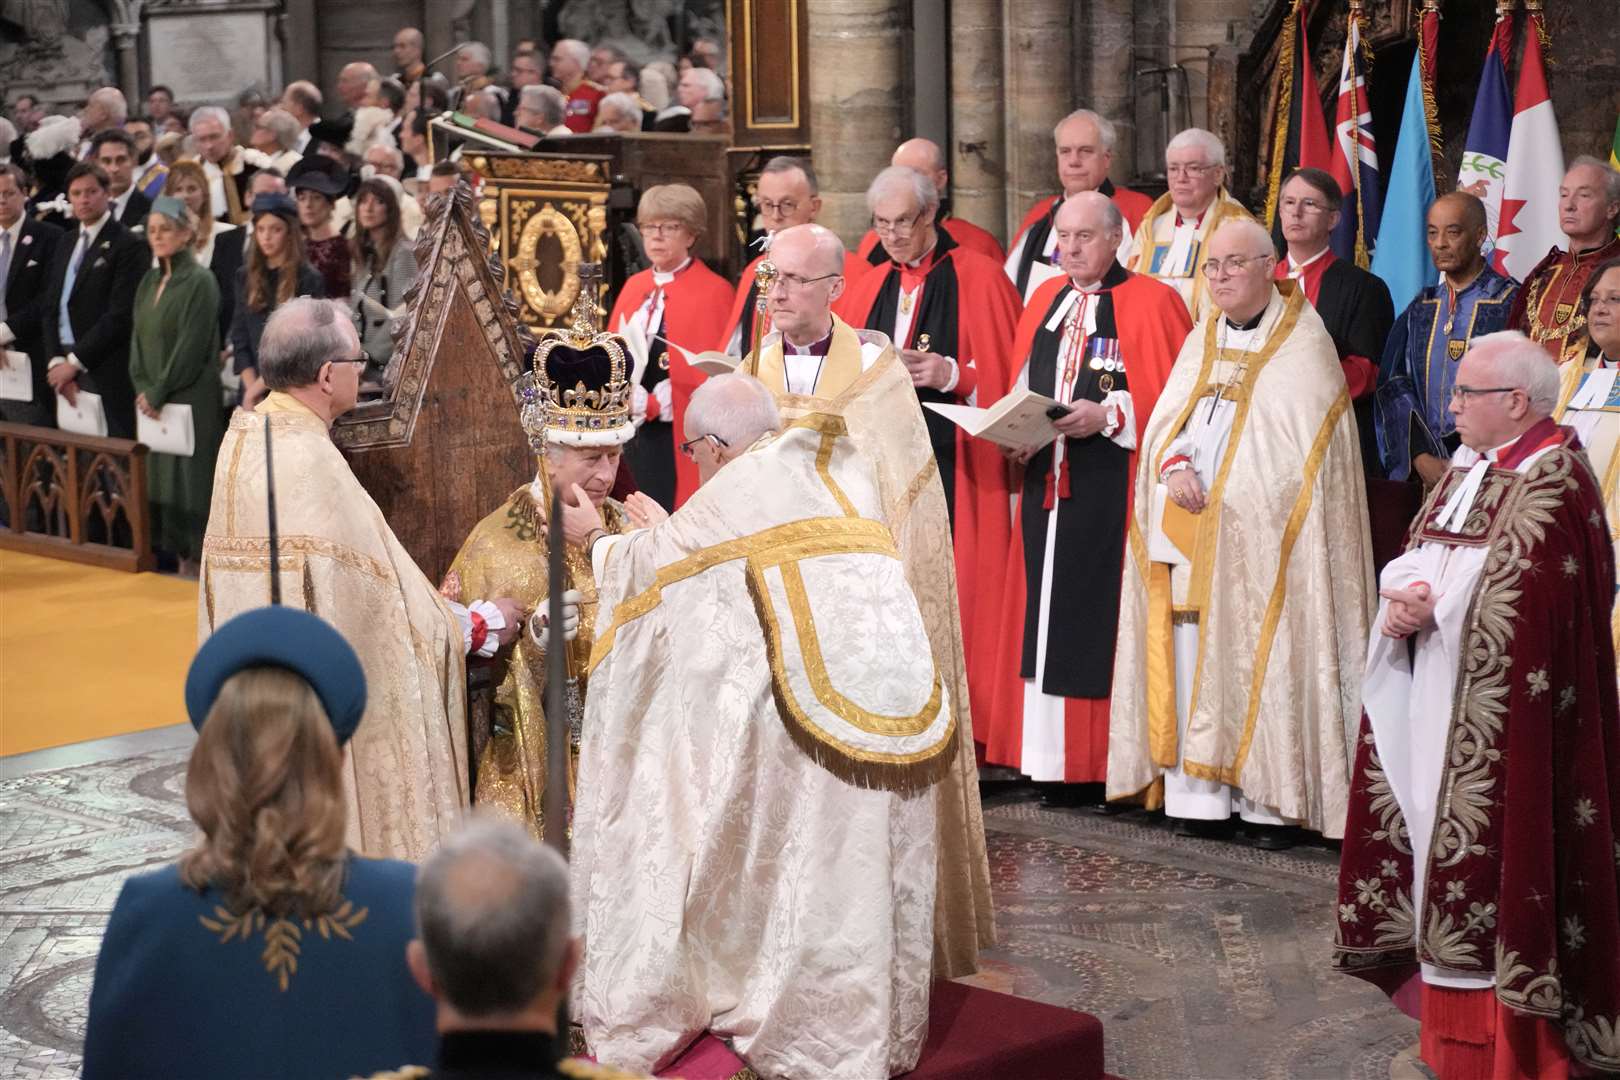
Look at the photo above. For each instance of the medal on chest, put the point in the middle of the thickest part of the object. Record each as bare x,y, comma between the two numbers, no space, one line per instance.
1456,347
1102,356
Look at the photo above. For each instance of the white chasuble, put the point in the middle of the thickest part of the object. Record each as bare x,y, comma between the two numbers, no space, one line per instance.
405,773
754,838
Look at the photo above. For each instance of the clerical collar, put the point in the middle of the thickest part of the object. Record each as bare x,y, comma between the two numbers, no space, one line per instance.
921,261
1309,261
664,277
1540,435
815,348
1195,222
1248,324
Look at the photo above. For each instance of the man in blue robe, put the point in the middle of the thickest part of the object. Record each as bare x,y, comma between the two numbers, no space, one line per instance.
1412,405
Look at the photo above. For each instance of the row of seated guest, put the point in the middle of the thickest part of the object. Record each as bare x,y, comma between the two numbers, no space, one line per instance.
272,949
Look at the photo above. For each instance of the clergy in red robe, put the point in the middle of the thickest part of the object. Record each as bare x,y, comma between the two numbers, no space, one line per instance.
1480,850
1103,340
925,156
569,59
676,300
1548,306
1085,153
787,195
951,314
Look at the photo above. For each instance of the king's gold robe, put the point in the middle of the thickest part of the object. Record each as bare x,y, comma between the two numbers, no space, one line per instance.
864,383
405,774
1279,582
507,554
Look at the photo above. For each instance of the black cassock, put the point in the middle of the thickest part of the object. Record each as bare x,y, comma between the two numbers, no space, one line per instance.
1357,311
1090,545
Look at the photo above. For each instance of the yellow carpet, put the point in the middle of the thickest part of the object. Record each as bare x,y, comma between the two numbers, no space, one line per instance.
86,652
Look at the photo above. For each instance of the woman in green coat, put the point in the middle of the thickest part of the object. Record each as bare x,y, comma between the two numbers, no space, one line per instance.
174,360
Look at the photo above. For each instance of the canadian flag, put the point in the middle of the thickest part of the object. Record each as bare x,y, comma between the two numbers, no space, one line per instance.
1535,168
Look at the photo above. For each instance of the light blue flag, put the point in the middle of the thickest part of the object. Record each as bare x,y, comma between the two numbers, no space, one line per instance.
1402,257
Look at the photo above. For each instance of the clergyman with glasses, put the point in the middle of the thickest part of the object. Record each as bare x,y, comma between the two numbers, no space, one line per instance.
1243,623
1412,407
1170,242
405,778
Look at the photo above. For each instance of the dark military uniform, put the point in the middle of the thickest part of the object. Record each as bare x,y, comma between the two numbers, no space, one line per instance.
504,1055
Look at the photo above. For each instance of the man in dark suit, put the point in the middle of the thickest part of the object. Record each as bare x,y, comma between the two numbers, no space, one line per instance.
90,309
114,151
26,248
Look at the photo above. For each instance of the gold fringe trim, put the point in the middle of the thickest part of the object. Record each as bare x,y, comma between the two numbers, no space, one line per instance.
1285,102
899,773
1431,109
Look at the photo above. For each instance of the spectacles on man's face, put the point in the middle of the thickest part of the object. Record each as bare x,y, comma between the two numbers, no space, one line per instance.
1304,206
362,360
689,447
785,208
1232,264
795,283
1465,394
904,226
1193,170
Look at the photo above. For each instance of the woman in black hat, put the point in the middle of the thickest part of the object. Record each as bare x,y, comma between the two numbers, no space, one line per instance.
270,948
274,272
318,182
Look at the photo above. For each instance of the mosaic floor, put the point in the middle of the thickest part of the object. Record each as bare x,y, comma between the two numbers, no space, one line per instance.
1202,958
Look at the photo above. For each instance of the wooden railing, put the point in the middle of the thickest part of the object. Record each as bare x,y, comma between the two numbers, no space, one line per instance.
74,497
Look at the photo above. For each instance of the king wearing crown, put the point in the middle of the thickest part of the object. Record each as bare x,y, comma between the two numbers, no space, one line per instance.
576,411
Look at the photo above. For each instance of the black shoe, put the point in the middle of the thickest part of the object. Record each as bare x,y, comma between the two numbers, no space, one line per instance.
1203,829
1070,795
1271,837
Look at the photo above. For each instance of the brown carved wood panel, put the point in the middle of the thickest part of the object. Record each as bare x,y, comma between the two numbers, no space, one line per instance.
770,80
74,497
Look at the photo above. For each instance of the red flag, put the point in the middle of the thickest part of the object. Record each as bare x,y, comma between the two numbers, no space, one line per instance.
1301,137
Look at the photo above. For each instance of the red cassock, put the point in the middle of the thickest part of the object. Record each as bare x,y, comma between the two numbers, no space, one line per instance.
969,310
1150,323
579,113
694,305
1133,204
742,305
965,233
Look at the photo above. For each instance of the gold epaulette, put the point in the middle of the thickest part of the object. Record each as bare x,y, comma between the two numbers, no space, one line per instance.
404,1072
580,1069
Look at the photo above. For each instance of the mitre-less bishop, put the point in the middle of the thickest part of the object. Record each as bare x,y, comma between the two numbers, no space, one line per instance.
816,363
765,730
1247,585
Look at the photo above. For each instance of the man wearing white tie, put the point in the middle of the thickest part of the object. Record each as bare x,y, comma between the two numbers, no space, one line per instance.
97,268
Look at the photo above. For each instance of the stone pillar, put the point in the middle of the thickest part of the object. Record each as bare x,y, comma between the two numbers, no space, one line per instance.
978,150
1039,93
1106,88
1198,27
856,109
125,38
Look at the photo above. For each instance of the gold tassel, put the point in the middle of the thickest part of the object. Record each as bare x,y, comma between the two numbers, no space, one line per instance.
1285,101
1431,109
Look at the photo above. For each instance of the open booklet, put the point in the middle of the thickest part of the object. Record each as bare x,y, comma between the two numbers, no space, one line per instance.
1018,421
709,361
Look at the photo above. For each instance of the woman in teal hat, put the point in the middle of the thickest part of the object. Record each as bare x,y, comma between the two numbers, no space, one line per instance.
174,360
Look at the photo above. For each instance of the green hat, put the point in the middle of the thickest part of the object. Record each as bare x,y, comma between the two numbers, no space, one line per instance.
171,208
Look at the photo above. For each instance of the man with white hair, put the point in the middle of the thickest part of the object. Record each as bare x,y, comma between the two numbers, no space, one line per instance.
103,110
568,59
1245,608
354,83
702,94
473,61
619,113
1169,244
1484,819
1548,306
225,163
541,109
1101,341
926,157
787,195
1085,154
786,854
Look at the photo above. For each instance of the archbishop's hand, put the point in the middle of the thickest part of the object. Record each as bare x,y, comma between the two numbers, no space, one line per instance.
580,518
1410,610
644,511
1185,490
539,628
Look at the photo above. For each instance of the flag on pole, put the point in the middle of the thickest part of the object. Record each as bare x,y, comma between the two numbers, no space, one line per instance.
1301,135
1484,161
1402,257
1535,167
1355,155
1614,147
